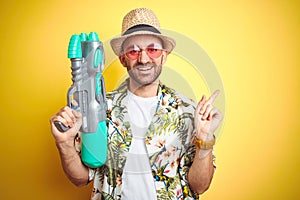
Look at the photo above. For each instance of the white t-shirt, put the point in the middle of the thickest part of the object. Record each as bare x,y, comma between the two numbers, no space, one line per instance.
137,179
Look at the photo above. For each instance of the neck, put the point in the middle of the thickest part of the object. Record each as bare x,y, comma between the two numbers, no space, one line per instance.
145,91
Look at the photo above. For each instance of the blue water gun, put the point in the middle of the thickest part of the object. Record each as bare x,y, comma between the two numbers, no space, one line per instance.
86,53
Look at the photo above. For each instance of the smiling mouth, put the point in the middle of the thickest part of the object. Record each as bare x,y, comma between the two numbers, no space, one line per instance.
145,68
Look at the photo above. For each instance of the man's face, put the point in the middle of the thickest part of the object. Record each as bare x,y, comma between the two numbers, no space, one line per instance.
143,58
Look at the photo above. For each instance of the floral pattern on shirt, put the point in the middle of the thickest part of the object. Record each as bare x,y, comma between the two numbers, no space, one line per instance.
168,142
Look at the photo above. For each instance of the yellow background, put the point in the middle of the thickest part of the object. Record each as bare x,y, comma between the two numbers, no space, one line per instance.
254,45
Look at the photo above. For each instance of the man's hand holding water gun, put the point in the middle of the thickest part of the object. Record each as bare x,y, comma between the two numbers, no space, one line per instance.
76,171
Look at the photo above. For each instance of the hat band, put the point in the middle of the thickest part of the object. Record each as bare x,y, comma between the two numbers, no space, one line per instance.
141,27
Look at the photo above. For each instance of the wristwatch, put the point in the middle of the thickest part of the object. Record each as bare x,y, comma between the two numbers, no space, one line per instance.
205,145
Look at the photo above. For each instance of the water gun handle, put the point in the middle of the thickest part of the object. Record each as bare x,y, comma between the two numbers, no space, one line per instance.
60,126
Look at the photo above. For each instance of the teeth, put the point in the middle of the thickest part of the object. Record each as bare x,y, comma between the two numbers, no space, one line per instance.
144,68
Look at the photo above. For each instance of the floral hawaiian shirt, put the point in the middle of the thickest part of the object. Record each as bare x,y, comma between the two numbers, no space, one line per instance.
168,142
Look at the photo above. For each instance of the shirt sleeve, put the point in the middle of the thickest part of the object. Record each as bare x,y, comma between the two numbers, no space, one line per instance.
184,166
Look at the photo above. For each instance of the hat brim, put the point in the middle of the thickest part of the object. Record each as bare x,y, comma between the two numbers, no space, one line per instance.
116,43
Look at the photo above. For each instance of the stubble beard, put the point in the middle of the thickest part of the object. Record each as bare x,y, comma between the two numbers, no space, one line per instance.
145,79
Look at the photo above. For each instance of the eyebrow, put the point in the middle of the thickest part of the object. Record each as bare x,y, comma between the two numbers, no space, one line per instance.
136,47
133,47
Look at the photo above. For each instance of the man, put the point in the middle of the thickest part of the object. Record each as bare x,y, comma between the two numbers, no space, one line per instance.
160,143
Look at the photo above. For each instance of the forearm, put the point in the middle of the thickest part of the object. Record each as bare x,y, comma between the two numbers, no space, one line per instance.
206,120
201,171
74,169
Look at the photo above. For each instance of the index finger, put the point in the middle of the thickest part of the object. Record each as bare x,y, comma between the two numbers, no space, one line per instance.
213,96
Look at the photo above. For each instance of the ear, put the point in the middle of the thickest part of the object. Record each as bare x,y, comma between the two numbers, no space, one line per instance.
122,60
164,57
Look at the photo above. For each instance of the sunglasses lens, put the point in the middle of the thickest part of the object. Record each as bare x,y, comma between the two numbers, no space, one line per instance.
153,52
133,54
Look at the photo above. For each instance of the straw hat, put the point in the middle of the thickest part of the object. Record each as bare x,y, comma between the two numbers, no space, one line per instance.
140,21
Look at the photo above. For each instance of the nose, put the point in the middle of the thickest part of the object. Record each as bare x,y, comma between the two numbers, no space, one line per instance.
143,57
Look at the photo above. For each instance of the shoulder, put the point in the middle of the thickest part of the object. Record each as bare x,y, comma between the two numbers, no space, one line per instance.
116,97
119,91
181,99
